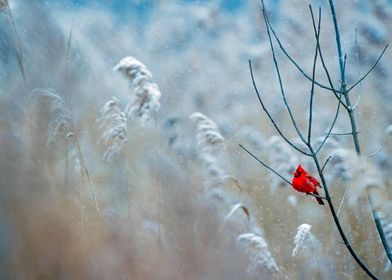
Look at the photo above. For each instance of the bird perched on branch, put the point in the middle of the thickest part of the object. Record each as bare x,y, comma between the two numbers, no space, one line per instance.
306,183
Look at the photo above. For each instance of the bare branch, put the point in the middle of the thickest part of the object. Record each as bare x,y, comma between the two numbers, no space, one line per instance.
325,164
265,165
335,92
380,230
269,115
332,125
313,80
282,48
373,154
342,200
370,70
343,133
330,81
280,80
318,196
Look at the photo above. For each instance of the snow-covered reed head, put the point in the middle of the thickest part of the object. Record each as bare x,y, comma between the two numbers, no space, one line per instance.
208,136
301,238
209,141
113,125
145,101
261,260
52,116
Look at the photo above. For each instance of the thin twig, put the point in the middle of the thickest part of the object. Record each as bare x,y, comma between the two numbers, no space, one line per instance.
342,200
343,133
269,115
357,62
69,43
337,39
265,165
318,196
313,81
335,92
370,70
380,229
159,183
325,164
372,154
282,91
87,174
330,81
332,125
342,78
290,58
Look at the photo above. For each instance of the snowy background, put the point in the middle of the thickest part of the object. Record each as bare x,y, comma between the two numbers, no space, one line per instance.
168,208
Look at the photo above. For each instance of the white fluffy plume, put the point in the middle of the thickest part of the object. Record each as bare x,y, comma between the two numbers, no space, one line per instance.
113,124
145,101
207,134
52,116
301,238
261,260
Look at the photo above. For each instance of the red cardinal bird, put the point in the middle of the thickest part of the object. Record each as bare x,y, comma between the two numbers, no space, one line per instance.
304,182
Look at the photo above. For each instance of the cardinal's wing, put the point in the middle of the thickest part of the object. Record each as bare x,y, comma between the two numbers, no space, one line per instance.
313,180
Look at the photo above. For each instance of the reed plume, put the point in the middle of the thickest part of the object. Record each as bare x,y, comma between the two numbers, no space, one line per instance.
52,116
113,125
207,135
145,101
261,260
302,236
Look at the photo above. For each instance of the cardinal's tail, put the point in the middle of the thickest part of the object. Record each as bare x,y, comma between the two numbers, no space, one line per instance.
319,200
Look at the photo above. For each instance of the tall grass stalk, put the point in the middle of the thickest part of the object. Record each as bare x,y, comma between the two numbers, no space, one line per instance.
75,138
158,179
4,7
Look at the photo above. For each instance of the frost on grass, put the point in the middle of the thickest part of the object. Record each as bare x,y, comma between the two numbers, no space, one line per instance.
207,134
52,117
145,101
210,142
301,238
260,258
113,125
